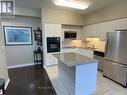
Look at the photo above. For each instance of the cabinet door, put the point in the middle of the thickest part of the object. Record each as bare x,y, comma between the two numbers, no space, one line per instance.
51,60
52,30
54,60
47,60
95,30
116,72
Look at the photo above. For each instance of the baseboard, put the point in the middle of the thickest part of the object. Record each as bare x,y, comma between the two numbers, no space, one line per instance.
20,65
7,83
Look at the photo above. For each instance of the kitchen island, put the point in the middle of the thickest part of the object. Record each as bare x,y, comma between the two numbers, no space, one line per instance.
77,73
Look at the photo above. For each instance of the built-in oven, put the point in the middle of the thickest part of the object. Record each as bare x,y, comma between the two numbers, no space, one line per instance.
53,44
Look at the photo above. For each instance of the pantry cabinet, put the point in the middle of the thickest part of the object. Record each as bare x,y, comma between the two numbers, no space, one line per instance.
50,30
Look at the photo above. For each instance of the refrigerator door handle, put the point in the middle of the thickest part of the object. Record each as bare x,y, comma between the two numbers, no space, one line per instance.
106,47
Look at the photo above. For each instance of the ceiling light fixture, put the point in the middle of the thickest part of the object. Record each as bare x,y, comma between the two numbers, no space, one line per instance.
71,4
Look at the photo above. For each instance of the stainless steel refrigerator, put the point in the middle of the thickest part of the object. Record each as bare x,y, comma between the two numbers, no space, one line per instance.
115,64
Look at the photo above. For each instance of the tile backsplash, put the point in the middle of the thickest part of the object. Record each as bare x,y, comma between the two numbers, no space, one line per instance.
90,42
69,42
96,43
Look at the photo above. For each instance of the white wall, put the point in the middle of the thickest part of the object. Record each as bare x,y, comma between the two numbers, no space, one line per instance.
114,11
61,17
28,12
3,63
21,55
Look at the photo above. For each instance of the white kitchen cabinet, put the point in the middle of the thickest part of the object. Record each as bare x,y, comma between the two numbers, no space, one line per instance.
77,29
52,30
95,30
51,60
100,29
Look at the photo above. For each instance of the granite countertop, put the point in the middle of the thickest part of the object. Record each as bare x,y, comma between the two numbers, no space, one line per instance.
74,59
88,48
78,47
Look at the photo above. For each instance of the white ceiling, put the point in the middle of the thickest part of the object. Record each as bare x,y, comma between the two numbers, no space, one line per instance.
93,5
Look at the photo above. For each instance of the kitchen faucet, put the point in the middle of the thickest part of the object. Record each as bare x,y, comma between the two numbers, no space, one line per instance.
92,46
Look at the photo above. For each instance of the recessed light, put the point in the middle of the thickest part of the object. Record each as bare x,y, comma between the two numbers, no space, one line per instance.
71,4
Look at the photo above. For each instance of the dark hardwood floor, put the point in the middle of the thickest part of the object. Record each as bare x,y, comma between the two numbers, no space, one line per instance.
29,81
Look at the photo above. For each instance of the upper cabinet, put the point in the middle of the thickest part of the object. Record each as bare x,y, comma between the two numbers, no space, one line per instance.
96,30
71,29
100,29
52,30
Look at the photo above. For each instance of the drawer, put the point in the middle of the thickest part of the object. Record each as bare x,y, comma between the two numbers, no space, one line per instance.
51,60
116,72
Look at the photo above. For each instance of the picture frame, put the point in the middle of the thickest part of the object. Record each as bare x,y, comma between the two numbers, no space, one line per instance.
17,35
37,35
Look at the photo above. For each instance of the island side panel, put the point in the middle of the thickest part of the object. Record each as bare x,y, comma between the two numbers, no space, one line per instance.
86,76
67,77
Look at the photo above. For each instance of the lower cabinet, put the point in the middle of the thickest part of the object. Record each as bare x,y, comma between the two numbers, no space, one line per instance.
51,60
116,72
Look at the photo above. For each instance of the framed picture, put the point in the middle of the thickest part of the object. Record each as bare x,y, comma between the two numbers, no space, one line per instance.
37,35
17,35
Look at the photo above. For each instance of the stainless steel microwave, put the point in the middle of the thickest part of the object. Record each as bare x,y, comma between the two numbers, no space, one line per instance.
70,35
